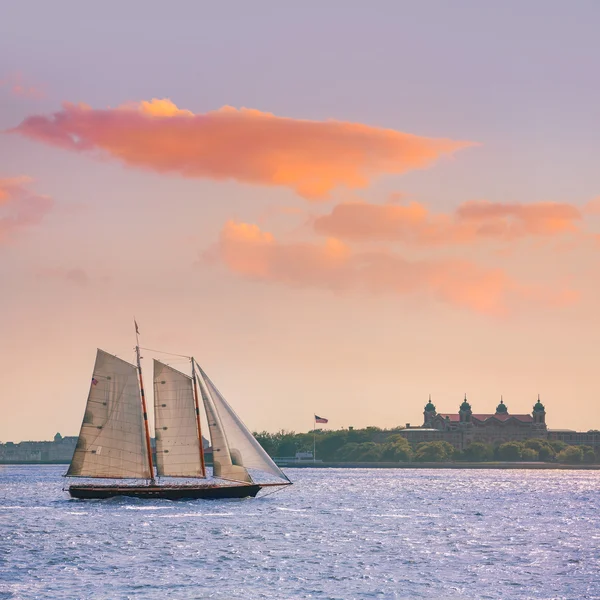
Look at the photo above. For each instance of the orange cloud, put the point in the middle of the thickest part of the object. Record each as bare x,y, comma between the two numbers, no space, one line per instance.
311,157
255,254
472,221
496,219
248,251
20,208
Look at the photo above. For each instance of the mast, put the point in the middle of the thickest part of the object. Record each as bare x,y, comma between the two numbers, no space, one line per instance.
144,409
197,407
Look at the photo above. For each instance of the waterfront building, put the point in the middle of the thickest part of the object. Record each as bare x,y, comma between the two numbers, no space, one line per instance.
464,427
60,450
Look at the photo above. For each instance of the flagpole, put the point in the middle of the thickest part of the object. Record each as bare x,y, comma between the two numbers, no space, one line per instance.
314,439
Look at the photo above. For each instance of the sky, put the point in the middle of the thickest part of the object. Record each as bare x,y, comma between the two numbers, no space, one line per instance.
338,208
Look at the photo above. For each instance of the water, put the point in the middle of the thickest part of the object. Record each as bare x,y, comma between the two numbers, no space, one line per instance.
338,533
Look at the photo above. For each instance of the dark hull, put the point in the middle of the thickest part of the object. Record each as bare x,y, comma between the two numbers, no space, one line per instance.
173,492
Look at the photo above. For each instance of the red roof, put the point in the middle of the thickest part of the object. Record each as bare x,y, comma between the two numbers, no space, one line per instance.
504,417
454,418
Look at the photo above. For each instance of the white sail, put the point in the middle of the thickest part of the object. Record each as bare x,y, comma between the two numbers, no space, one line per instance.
177,440
111,442
244,450
223,466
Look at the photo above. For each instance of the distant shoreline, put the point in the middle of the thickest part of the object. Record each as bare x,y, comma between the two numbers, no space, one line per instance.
440,465
389,465
34,462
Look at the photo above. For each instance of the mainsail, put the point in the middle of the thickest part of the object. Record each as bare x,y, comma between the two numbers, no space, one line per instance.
235,449
177,439
111,442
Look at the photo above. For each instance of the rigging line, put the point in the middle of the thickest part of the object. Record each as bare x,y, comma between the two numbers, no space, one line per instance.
177,361
163,352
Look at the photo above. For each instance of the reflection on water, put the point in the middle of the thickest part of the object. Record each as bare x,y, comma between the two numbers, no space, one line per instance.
335,534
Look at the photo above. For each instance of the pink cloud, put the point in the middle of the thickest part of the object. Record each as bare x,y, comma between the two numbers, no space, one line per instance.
311,157
471,222
20,208
509,221
252,253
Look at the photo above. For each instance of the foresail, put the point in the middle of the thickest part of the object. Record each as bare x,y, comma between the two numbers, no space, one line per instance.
177,440
244,449
223,466
111,442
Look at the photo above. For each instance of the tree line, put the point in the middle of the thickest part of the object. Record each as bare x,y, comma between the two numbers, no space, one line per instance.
373,444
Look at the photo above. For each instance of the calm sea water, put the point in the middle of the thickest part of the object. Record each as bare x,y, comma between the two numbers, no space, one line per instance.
338,533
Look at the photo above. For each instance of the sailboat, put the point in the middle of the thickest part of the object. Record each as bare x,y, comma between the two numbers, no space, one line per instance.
114,440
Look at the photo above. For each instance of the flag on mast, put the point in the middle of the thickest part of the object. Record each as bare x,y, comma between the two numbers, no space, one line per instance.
321,419
136,327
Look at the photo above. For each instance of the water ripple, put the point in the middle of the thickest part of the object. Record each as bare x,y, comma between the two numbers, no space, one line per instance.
336,534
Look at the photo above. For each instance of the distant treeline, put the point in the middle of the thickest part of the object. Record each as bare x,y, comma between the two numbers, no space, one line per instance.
373,444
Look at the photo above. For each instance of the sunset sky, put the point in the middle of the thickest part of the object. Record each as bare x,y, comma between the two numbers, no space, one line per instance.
338,207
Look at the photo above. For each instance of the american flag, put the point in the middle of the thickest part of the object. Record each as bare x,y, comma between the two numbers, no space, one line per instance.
321,420
94,381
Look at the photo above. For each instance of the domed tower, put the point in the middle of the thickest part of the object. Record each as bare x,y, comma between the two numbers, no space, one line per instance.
429,413
539,413
465,411
501,408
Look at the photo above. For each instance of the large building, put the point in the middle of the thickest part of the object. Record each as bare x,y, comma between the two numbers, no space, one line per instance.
464,427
